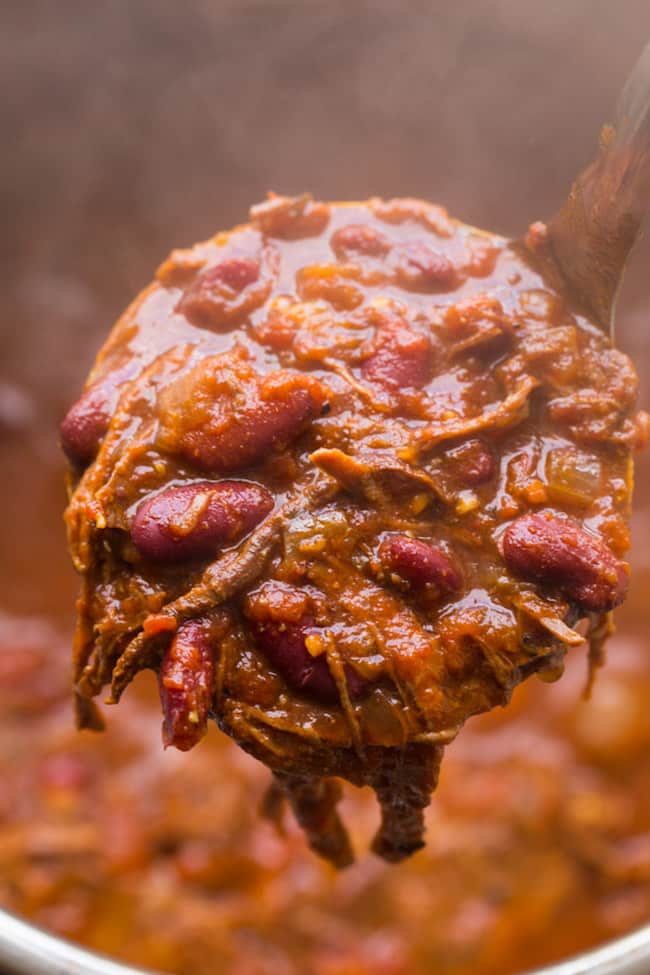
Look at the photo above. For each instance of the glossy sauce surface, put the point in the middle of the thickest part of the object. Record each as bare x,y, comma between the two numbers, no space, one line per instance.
440,449
468,144
541,822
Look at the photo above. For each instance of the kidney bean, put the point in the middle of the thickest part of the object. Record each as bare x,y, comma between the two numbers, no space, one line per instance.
419,267
472,462
236,273
284,645
400,357
558,552
224,292
281,634
186,684
286,405
86,423
419,563
358,240
193,521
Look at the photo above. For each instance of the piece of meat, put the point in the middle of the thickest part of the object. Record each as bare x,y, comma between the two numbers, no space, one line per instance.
356,486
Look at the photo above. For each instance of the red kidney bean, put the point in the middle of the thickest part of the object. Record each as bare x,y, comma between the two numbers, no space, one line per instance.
86,423
419,563
287,404
358,240
186,683
284,645
223,292
281,634
420,267
560,553
400,357
193,521
472,462
236,273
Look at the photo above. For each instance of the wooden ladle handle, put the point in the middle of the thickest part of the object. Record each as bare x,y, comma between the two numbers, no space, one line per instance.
593,234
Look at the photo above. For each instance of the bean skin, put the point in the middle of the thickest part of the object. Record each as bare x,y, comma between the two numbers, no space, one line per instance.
220,294
400,357
86,423
194,521
281,623
556,551
419,563
237,273
358,240
286,406
186,684
472,462
420,267
284,645
223,416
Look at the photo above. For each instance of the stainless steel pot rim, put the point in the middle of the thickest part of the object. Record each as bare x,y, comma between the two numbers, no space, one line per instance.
629,955
27,950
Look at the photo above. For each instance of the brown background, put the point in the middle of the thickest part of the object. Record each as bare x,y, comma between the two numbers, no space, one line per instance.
129,126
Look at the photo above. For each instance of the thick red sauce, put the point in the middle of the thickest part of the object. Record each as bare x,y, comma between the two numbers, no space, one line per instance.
540,824
344,476
538,839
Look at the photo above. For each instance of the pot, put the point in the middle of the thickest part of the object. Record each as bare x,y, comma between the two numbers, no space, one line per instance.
27,950
96,150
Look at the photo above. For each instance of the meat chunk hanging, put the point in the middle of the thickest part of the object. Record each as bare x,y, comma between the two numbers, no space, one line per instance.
343,477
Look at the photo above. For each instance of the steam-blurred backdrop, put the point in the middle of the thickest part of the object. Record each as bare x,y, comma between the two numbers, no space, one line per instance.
130,126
